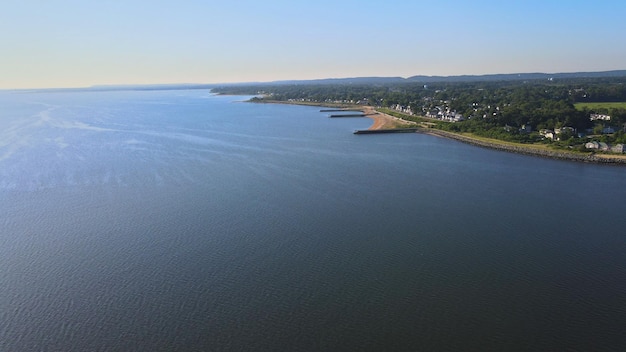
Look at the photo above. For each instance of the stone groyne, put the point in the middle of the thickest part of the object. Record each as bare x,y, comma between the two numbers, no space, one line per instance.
349,115
388,130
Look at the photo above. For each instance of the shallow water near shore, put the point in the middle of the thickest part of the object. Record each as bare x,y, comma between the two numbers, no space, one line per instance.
180,220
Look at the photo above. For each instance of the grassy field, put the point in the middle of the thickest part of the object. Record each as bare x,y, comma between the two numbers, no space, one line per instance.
592,106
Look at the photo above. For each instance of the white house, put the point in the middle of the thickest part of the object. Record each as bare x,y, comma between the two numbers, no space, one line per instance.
594,117
564,129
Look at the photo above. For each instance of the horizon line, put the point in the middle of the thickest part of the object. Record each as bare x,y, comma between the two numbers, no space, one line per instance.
131,85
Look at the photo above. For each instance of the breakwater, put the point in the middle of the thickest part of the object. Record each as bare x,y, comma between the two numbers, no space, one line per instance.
349,115
334,110
390,130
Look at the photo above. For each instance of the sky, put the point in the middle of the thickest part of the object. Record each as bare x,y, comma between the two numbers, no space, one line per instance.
79,43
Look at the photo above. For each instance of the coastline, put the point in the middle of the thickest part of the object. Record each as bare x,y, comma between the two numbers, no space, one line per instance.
385,121
521,149
382,121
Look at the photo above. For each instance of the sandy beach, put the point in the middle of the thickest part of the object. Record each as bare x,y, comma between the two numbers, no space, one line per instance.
383,121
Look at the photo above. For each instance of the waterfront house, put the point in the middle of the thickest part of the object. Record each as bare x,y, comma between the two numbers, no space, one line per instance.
564,129
592,145
594,117
546,133
603,146
432,113
618,148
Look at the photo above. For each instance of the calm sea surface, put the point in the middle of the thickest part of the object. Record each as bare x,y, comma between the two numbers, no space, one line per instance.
182,221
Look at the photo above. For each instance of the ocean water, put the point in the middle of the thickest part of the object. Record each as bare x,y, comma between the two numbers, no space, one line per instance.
185,221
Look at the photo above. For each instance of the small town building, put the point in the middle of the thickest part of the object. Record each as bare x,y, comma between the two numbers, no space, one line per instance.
543,132
594,117
603,146
564,129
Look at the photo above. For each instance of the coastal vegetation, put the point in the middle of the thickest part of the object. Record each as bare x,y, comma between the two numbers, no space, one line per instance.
571,115
599,106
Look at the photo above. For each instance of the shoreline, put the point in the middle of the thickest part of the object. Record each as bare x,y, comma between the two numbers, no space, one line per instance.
525,150
382,121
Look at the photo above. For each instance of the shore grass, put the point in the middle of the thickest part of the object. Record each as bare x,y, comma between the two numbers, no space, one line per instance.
592,106
400,115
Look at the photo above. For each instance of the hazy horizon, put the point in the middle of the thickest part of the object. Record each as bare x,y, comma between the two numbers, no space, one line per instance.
68,43
131,84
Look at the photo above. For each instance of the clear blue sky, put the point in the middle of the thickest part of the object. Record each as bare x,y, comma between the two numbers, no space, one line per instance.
73,43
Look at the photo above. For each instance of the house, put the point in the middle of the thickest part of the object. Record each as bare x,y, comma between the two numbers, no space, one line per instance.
432,113
592,145
594,117
543,131
603,146
564,129
452,116
546,133
456,117
403,109
526,129
618,148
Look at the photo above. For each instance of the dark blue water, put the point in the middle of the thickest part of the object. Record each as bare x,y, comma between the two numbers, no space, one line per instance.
178,220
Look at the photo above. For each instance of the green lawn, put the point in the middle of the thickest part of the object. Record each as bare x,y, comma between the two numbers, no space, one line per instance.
592,106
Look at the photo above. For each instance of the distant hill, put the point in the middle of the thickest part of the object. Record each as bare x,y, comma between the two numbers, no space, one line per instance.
174,86
353,80
360,81
516,76
461,78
